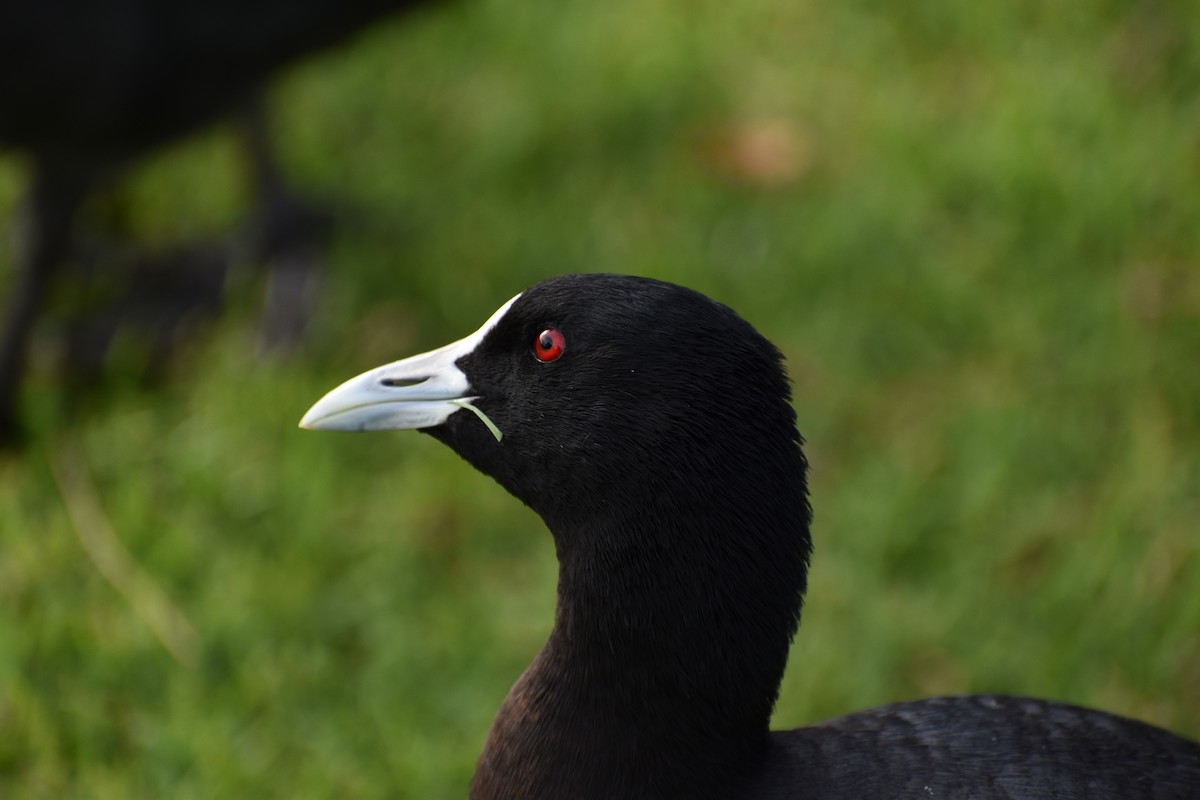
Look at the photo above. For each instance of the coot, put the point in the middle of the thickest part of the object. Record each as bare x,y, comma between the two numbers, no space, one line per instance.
89,87
652,430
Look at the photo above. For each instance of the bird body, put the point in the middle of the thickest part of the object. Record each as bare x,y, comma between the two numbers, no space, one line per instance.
983,747
99,81
89,86
652,430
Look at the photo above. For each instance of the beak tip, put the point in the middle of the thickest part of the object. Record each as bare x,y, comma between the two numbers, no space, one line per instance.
308,422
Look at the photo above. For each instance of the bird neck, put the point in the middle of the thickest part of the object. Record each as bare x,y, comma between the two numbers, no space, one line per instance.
664,663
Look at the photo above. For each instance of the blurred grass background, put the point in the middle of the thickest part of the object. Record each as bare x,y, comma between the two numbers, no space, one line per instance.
973,228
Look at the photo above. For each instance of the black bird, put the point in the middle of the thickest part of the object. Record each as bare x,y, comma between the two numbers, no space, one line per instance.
89,86
652,430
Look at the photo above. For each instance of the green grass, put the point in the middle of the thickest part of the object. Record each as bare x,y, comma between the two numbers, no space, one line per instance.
973,228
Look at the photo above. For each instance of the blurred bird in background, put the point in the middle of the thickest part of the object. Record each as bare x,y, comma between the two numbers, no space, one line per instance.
88,87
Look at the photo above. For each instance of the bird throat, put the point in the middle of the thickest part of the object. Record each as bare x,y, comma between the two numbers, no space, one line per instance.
659,676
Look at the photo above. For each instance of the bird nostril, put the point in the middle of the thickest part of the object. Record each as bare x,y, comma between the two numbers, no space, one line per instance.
401,382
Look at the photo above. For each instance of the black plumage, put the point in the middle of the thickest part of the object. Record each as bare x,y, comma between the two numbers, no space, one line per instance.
660,447
89,86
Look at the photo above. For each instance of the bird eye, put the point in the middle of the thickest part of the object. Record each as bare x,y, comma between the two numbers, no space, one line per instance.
549,345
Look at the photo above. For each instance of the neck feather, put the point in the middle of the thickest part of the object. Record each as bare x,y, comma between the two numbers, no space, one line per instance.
669,643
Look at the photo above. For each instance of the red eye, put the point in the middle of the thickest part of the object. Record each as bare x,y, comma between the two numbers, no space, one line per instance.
549,345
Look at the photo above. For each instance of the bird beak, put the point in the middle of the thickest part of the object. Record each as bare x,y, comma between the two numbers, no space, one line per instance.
416,392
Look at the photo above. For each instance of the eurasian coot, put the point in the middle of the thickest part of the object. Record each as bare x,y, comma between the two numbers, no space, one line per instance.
652,430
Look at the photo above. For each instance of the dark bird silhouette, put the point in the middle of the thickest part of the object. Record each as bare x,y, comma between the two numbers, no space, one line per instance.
89,86
652,430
